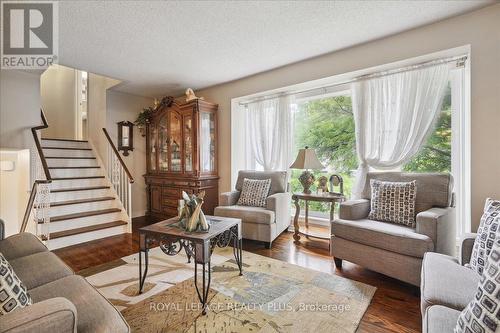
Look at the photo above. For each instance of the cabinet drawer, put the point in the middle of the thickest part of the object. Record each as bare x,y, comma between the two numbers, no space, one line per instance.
171,192
171,203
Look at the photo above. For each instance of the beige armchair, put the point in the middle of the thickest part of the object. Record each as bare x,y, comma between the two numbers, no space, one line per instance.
260,223
393,249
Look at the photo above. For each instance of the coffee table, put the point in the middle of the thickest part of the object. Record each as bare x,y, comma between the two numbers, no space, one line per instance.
223,231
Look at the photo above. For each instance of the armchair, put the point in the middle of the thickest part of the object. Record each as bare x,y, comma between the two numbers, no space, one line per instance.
260,223
392,249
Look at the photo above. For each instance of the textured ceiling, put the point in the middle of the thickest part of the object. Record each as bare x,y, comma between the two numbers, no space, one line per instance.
162,47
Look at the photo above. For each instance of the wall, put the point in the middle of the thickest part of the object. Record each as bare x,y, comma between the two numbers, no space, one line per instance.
19,94
121,106
480,29
59,102
14,189
96,114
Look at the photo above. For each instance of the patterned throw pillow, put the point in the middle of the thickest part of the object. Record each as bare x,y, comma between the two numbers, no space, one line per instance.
13,293
254,192
393,202
486,233
482,314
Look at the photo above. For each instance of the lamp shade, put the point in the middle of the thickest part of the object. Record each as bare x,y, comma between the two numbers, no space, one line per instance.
307,159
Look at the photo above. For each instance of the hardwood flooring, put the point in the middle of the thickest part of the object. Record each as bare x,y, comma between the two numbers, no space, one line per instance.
395,306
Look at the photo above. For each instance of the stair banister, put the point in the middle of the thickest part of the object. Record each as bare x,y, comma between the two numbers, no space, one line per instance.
120,176
39,200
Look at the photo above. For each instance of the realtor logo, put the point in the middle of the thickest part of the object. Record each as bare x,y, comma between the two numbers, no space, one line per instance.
29,34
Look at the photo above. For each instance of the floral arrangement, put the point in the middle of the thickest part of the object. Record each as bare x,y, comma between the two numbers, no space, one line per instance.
143,118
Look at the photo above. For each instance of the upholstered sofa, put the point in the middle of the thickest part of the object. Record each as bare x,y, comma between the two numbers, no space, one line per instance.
447,287
394,249
62,301
260,223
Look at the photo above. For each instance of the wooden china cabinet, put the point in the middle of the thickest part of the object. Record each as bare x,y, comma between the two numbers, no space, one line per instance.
181,153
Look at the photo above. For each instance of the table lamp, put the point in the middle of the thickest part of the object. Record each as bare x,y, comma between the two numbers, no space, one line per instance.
307,160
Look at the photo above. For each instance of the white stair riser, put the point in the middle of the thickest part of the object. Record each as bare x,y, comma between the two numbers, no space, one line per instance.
67,153
64,144
75,195
71,183
53,162
83,207
84,221
85,237
65,173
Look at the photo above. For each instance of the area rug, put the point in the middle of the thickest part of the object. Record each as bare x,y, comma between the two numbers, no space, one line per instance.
271,296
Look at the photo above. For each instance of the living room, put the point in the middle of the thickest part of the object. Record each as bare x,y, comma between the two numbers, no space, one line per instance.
290,166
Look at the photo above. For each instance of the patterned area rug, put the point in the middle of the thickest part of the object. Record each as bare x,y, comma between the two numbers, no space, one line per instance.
271,296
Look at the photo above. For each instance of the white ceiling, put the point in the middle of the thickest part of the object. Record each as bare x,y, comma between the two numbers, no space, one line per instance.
162,47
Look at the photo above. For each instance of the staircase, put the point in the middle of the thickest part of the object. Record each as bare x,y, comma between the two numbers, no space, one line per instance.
84,205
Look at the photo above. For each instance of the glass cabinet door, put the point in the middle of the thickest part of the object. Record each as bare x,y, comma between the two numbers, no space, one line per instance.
163,144
188,143
207,142
152,148
175,141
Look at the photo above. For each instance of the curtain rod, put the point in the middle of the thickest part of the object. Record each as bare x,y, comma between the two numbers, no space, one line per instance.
460,62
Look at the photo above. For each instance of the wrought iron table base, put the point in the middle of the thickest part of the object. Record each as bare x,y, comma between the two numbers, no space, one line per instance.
170,247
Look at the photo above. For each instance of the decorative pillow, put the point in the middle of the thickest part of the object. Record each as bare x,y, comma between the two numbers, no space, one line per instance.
486,233
393,202
254,192
482,314
13,293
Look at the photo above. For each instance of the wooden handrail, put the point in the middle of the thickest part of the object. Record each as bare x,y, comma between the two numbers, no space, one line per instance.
31,201
39,146
129,175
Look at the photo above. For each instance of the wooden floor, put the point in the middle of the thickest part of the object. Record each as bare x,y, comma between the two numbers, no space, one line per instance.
394,308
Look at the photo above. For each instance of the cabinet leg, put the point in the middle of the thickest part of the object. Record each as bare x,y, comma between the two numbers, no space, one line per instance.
338,262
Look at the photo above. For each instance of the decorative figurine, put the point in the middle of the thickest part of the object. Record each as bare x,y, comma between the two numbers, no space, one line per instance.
191,217
322,185
336,180
190,95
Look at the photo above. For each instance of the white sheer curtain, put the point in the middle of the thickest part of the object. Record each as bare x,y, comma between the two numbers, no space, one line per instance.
393,115
269,140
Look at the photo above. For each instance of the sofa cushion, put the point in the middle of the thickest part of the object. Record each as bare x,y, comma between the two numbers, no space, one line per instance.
40,268
95,313
434,189
20,245
393,202
13,292
486,234
247,214
254,192
483,312
388,236
445,282
278,179
440,319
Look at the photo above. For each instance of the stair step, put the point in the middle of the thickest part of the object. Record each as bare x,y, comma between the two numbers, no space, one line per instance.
82,230
84,214
67,148
70,140
77,167
73,189
70,157
72,178
79,201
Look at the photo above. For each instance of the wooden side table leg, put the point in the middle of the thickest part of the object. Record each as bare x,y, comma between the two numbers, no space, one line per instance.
296,235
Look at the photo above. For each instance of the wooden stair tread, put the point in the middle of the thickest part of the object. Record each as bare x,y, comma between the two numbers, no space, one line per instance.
84,214
82,230
83,177
73,189
79,201
70,157
69,140
77,167
67,148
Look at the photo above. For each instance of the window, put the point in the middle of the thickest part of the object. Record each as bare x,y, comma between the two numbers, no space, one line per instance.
327,125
